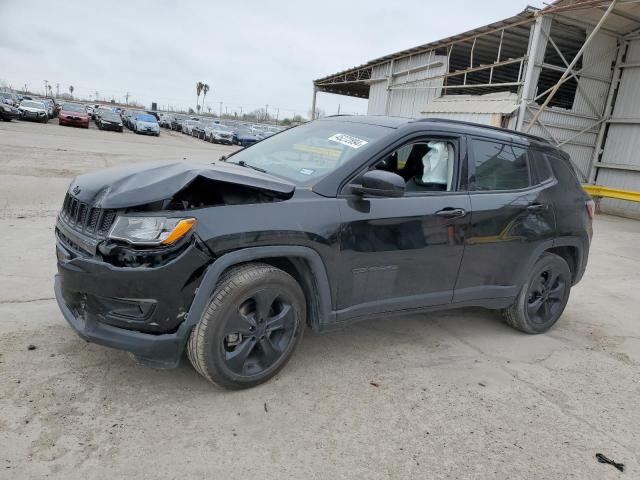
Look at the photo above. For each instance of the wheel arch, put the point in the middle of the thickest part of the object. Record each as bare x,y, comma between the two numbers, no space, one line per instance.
303,263
571,249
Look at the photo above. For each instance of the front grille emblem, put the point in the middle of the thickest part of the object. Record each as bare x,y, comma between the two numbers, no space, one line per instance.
76,190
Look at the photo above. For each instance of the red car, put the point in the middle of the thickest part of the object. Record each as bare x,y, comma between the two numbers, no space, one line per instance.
73,114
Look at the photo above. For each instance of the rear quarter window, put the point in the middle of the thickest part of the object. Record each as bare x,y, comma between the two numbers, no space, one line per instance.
563,169
541,166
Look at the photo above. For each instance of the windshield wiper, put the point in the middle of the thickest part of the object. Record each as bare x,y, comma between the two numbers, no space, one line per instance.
242,163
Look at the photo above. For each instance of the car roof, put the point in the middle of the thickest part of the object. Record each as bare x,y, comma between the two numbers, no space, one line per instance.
458,126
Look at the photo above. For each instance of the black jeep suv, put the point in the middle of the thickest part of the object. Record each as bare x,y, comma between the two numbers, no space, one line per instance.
338,220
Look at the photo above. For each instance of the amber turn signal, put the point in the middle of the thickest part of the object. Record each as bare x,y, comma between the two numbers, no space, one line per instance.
181,229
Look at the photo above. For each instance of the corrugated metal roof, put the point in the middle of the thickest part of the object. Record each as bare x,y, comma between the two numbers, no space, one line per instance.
499,102
526,14
623,20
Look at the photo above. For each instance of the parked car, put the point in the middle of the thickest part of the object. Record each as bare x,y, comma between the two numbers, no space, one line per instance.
176,123
165,120
244,137
8,112
89,110
73,114
34,110
218,133
9,98
146,124
187,126
110,121
198,129
331,222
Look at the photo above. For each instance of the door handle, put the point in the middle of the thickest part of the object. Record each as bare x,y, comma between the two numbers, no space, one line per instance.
451,212
535,207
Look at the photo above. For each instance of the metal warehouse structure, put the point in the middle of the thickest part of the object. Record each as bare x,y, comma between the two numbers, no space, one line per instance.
569,72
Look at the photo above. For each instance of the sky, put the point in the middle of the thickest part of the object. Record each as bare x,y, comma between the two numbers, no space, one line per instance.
251,53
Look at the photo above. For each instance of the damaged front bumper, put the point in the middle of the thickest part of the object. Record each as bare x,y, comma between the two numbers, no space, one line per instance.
141,310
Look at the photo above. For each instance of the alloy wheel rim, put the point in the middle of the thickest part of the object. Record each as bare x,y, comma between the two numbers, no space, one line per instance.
258,332
546,295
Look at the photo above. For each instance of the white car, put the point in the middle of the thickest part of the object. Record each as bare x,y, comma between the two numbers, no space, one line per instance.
89,110
217,133
34,110
187,126
146,124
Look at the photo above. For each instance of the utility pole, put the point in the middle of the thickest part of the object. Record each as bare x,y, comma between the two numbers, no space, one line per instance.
220,109
266,112
57,90
126,97
97,95
277,115
46,89
240,112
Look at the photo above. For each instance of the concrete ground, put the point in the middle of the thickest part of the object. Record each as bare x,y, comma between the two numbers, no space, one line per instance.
445,395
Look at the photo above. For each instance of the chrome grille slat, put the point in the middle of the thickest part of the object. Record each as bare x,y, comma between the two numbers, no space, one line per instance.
83,217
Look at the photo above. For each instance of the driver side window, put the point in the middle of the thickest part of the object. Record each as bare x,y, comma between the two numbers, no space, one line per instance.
425,166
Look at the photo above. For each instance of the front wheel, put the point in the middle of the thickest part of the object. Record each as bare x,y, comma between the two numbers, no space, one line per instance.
543,297
254,321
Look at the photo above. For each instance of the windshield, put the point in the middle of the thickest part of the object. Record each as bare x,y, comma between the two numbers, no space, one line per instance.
113,116
32,104
305,153
146,118
73,107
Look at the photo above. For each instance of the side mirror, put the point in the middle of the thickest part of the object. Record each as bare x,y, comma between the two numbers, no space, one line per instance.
223,158
380,183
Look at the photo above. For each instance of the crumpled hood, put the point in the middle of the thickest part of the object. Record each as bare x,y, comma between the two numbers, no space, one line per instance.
140,184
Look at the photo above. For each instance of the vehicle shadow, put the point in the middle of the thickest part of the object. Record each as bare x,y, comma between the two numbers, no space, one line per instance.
364,349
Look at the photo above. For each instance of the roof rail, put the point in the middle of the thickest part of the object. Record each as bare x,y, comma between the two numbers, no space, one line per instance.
482,125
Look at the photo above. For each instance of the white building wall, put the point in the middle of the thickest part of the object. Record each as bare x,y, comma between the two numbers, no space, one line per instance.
622,145
405,102
561,125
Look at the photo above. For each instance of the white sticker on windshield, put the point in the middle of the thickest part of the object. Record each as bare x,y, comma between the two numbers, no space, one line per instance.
306,171
348,140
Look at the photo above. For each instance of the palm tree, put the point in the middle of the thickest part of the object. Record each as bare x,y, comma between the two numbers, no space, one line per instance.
71,90
199,86
205,89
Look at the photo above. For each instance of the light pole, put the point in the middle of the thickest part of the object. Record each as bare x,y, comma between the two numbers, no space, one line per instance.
220,109
46,89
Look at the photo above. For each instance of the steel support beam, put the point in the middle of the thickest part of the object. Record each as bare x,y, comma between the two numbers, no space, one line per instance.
573,63
313,102
535,54
606,113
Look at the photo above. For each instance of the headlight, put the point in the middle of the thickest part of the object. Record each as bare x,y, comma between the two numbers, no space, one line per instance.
150,230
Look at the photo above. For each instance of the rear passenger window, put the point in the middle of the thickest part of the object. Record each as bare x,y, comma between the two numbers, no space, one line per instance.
541,166
499,166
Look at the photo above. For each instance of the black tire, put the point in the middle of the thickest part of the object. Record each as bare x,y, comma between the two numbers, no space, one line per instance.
543,297
248,302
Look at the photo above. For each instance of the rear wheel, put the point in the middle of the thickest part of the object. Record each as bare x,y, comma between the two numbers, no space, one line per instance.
543,297
251,327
